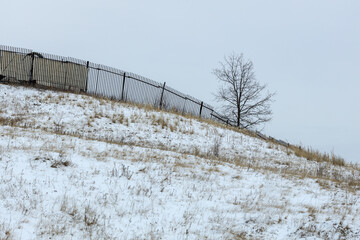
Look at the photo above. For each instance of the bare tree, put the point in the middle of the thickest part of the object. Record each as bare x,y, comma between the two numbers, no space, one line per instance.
241,94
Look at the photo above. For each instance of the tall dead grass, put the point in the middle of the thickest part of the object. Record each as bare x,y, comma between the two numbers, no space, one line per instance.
315,155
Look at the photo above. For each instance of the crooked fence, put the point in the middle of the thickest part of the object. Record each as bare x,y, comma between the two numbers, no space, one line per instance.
66,73
71,74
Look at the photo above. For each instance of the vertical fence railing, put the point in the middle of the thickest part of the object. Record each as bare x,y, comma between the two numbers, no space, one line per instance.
72,74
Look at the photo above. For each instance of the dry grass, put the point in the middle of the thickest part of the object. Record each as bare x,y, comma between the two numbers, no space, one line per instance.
5,232
11,121
148,107
89,217
214,152
160,121
315,155
241,161
119,118
60,163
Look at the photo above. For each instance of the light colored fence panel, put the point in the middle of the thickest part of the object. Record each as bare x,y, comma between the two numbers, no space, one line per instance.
76,76
15,65
49,73
58,74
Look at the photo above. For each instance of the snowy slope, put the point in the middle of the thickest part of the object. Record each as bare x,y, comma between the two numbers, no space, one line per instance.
78,167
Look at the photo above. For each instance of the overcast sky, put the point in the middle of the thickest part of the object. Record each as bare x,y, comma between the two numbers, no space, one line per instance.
307,51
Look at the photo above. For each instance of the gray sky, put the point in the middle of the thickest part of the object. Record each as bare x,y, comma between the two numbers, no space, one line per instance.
307,51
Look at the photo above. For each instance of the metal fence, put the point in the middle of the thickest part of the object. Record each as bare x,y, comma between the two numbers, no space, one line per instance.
65,73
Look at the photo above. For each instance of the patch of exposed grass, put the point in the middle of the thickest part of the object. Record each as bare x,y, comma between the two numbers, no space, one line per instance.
11,121
315,155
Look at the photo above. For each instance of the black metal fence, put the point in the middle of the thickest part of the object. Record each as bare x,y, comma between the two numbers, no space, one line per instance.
65,73
71,74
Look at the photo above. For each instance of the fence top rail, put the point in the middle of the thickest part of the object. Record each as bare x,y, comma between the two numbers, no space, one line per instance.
76,60
223,118
63,59
143,79
207,106
116,71
105,68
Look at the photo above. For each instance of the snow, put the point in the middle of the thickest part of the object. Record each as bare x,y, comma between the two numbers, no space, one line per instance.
77,167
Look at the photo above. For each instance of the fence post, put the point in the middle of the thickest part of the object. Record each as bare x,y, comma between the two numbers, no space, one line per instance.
87,77
66,70
162,95
123,86
32,55
201,107
31,80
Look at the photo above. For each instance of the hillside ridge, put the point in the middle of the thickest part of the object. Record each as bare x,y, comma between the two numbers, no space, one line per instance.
103,169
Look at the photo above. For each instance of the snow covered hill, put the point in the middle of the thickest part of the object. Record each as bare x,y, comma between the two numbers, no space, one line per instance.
78,167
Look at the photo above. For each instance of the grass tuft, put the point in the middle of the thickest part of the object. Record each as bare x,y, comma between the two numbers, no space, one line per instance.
315,155
61,161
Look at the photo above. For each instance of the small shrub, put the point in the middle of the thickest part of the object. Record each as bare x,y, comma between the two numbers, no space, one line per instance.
90,216
69,207
121,172
60,161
